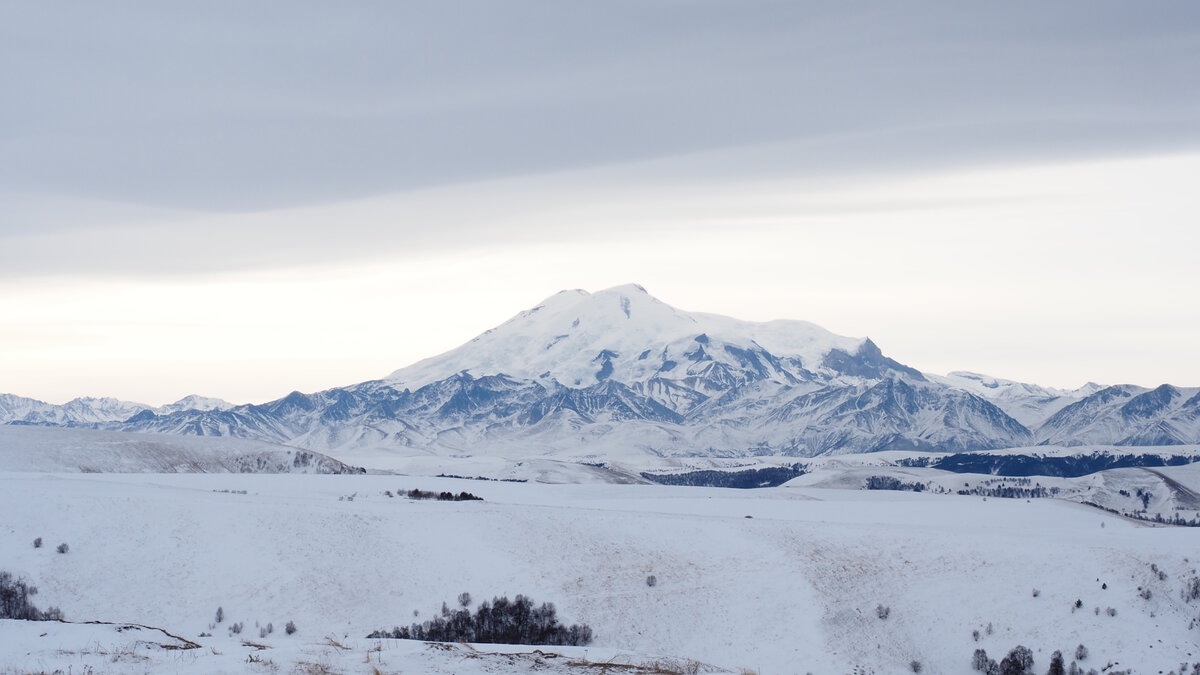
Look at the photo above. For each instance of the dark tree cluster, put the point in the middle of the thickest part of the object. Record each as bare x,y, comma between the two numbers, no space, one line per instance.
1070,466
440,496
893,483
750,478
15,602
1014,488
516,622
494,480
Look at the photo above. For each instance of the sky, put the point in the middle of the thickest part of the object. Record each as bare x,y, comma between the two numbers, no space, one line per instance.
244,199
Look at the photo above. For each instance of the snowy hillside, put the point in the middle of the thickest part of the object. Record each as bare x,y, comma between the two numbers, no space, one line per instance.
24,448
778,581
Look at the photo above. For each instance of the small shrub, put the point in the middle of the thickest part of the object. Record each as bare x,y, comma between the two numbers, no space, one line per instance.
235,628
1144,593
1110,611
914,666
651,581
882,612
270,628
1191,589
1036,592
63,548
464,599
290,628
975,636
37,543
1081,653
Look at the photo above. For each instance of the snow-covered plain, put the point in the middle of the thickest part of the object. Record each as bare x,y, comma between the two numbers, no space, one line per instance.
782,580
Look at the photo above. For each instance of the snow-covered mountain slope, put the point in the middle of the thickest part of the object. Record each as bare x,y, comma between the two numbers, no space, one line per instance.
1029,404
58,450
618,373
1128,415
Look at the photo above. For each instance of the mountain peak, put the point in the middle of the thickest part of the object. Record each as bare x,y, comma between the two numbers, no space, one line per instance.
641,336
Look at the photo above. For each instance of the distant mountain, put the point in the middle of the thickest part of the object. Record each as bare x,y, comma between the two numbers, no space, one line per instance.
1029,404
76,412
88,412
1128,415
596,376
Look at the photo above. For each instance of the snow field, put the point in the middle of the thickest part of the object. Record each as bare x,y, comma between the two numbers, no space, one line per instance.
790,589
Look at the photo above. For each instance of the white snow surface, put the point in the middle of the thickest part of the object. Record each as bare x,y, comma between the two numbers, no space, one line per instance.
783,580
562,339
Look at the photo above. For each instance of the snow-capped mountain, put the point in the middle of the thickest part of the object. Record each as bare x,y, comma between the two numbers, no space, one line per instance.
620,372
578,339
194,402
1029,404
598,376
87,411
84,411
1128,415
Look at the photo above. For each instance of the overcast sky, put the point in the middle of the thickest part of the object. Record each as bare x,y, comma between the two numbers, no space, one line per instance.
240,199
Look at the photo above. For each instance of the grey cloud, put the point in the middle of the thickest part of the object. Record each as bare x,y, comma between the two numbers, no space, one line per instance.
234,106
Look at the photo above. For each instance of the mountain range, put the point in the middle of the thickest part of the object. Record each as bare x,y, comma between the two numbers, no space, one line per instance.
590,376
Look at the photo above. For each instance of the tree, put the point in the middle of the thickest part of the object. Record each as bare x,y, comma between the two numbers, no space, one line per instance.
979,661
220,614
37,543
464,599
290,628
1018,662
1081,653
1056,664
15,601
